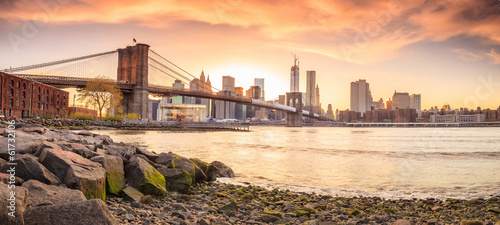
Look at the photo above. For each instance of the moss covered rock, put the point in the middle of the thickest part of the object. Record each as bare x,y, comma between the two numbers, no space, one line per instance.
145,178
115,172
177,180
209,170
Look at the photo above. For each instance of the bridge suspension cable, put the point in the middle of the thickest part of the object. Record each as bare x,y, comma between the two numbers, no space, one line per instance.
41,65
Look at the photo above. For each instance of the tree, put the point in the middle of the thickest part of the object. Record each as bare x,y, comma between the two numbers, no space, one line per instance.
101,93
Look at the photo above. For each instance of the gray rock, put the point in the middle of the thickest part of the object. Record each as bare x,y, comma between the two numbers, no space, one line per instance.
2,162
124,151
38,193
28,168
132,193
85,212
18,201
165,158
145,177
76,172
151,156
106,140
6,179
71,137
222,169
115,172
209,170
177,180
25,143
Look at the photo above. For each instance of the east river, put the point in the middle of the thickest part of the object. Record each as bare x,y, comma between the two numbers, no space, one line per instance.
384,162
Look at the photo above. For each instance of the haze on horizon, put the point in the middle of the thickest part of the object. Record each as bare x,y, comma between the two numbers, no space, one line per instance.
448,51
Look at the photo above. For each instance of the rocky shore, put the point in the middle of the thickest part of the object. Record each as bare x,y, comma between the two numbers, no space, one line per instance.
77,177
74,124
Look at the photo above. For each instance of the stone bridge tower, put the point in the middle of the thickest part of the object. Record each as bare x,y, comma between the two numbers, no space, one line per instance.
294,99
133,68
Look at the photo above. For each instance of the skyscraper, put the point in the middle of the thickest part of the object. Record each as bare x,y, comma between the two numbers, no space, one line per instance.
260,82
415,103
226,109
361,97
294,76
329,112
310,88
400,100
318,104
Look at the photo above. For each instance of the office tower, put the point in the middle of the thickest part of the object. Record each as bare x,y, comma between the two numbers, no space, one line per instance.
329,112
226,109
260,82
318,104
310,88
379,104
400,100
361,97
254,92
228,84
294,76
415,103
238,91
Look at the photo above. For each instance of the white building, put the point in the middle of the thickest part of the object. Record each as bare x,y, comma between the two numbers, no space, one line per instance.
455,118
361,97
260,82
416,103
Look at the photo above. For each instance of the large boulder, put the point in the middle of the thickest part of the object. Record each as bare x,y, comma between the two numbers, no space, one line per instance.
144,177
28,168
43,194
76,172
12,207
115,172
106,140
172,160
84,212
177,180
209,170
124,151
222,169
6,179
2,162
25,143
151,156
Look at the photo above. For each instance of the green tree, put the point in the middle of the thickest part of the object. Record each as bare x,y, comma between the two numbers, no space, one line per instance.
102,93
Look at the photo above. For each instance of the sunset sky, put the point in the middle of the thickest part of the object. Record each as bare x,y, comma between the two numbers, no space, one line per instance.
448,51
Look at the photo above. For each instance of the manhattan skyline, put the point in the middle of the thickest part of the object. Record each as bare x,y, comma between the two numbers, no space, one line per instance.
448,51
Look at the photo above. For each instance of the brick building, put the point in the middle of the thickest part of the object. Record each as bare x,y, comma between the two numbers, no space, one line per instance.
22,97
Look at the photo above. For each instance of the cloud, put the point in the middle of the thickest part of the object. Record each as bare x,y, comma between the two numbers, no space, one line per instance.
469,56
494,56
356,31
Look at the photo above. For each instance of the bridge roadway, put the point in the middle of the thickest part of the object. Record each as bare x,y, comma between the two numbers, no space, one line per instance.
165,90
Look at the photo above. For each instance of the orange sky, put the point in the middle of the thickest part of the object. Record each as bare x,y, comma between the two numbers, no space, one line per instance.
447,51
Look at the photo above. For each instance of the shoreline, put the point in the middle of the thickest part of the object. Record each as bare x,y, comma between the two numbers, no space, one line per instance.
218,203
203,201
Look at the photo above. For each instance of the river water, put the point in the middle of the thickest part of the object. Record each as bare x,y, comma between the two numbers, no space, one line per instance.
384,162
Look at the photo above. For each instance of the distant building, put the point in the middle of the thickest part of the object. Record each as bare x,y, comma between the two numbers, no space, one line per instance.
253,92
455,118
400,100
260,83
226,109
379,104
329,112
361,97
294,76
204,86
178,99
310,89
388,104
416,103
239,91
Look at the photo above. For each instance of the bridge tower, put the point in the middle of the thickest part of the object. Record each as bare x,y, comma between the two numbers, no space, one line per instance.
133,68
294,119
